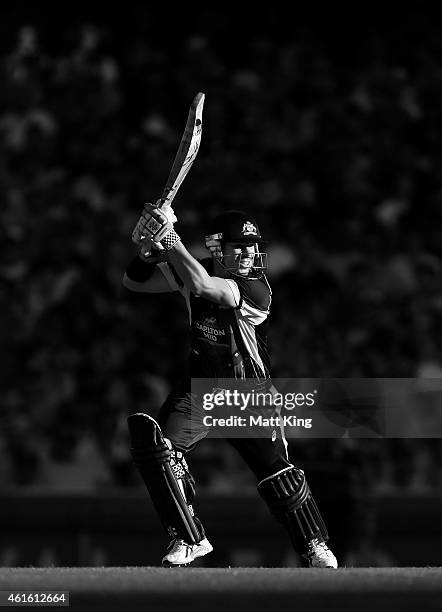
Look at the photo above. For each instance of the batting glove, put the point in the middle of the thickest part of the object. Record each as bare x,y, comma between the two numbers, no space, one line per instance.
143,230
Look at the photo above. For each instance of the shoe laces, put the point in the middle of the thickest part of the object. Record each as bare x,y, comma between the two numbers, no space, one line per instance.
316,544
175,544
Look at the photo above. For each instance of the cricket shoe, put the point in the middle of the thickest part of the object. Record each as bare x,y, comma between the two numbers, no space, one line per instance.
180,554
319,555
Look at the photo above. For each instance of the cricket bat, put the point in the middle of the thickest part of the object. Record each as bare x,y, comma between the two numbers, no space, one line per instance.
187,151
184,158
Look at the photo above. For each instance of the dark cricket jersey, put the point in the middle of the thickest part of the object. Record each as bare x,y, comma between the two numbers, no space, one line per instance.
228,342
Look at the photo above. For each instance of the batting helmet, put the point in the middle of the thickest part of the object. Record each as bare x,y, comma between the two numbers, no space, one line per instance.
235,226
238,227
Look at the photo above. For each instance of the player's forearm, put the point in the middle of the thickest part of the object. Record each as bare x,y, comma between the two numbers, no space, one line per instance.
191,272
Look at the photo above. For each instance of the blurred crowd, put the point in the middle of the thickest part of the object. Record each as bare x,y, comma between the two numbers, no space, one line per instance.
338,160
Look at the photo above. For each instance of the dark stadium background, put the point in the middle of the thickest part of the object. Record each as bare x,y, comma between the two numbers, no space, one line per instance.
327,127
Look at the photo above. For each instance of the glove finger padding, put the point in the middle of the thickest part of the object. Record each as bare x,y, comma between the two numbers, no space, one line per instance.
139,234
152,224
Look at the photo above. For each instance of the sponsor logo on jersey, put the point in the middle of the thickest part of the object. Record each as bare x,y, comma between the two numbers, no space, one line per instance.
248,229
208,329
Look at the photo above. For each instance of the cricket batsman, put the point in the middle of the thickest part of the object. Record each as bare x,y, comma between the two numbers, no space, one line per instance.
230,289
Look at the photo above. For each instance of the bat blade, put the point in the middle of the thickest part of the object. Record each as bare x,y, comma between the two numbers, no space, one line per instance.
187,151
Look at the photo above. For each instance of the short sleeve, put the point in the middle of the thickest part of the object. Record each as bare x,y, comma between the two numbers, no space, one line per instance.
235,291
254,299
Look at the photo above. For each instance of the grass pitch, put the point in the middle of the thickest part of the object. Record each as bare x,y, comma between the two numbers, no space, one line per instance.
244,589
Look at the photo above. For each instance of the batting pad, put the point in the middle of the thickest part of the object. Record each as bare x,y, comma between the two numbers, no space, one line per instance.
152,457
